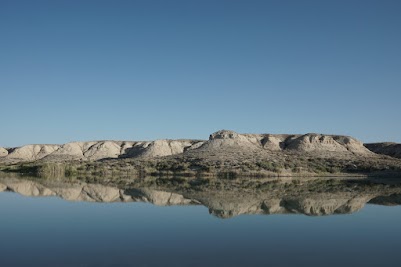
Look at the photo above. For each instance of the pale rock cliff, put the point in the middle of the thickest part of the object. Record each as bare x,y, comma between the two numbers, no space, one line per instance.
31,152
3,152
220,141
226,138
326,143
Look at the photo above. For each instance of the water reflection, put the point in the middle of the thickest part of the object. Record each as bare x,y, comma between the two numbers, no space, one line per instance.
223,198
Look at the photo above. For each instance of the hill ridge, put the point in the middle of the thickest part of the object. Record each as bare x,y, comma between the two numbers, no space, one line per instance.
218,141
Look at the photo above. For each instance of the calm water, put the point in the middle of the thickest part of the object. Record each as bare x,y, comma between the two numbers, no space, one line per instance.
50,231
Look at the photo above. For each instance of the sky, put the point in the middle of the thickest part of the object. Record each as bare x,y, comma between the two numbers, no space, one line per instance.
144,70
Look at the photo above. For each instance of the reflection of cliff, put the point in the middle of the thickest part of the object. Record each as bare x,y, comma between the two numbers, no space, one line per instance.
91,192
318,204
391,200
336,199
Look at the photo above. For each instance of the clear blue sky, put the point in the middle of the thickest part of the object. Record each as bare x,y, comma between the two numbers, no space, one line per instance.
139,70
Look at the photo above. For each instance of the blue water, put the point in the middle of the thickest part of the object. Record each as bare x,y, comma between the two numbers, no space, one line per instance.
48,231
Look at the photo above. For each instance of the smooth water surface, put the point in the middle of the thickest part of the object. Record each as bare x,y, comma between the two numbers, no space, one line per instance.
48,231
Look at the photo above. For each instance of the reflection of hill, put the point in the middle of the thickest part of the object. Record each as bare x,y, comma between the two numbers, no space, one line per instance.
91,192
319,204
311,198
391,200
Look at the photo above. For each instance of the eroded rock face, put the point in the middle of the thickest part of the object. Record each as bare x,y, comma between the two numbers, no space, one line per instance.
158,148
279,142
32,152
69,151
102,150
273,142
3,152
226,138
329,143
312,142
97,150
353,145
224,134
161,148
219,141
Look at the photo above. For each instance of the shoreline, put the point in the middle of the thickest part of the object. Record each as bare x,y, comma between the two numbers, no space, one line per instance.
105,170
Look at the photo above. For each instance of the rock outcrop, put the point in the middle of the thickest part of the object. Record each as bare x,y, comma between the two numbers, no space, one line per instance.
86,151
278,142
31,152
220,141
3,152
97,150
325,143
225,138
389,149
158,148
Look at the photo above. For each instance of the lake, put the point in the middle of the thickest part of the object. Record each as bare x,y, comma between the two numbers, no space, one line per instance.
201,223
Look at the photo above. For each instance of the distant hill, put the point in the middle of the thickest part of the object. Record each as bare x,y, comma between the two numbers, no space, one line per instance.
224,151
390,149
221,140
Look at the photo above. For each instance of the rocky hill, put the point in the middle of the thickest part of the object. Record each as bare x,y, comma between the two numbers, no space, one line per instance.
94,150
390,149
221,140
224,151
